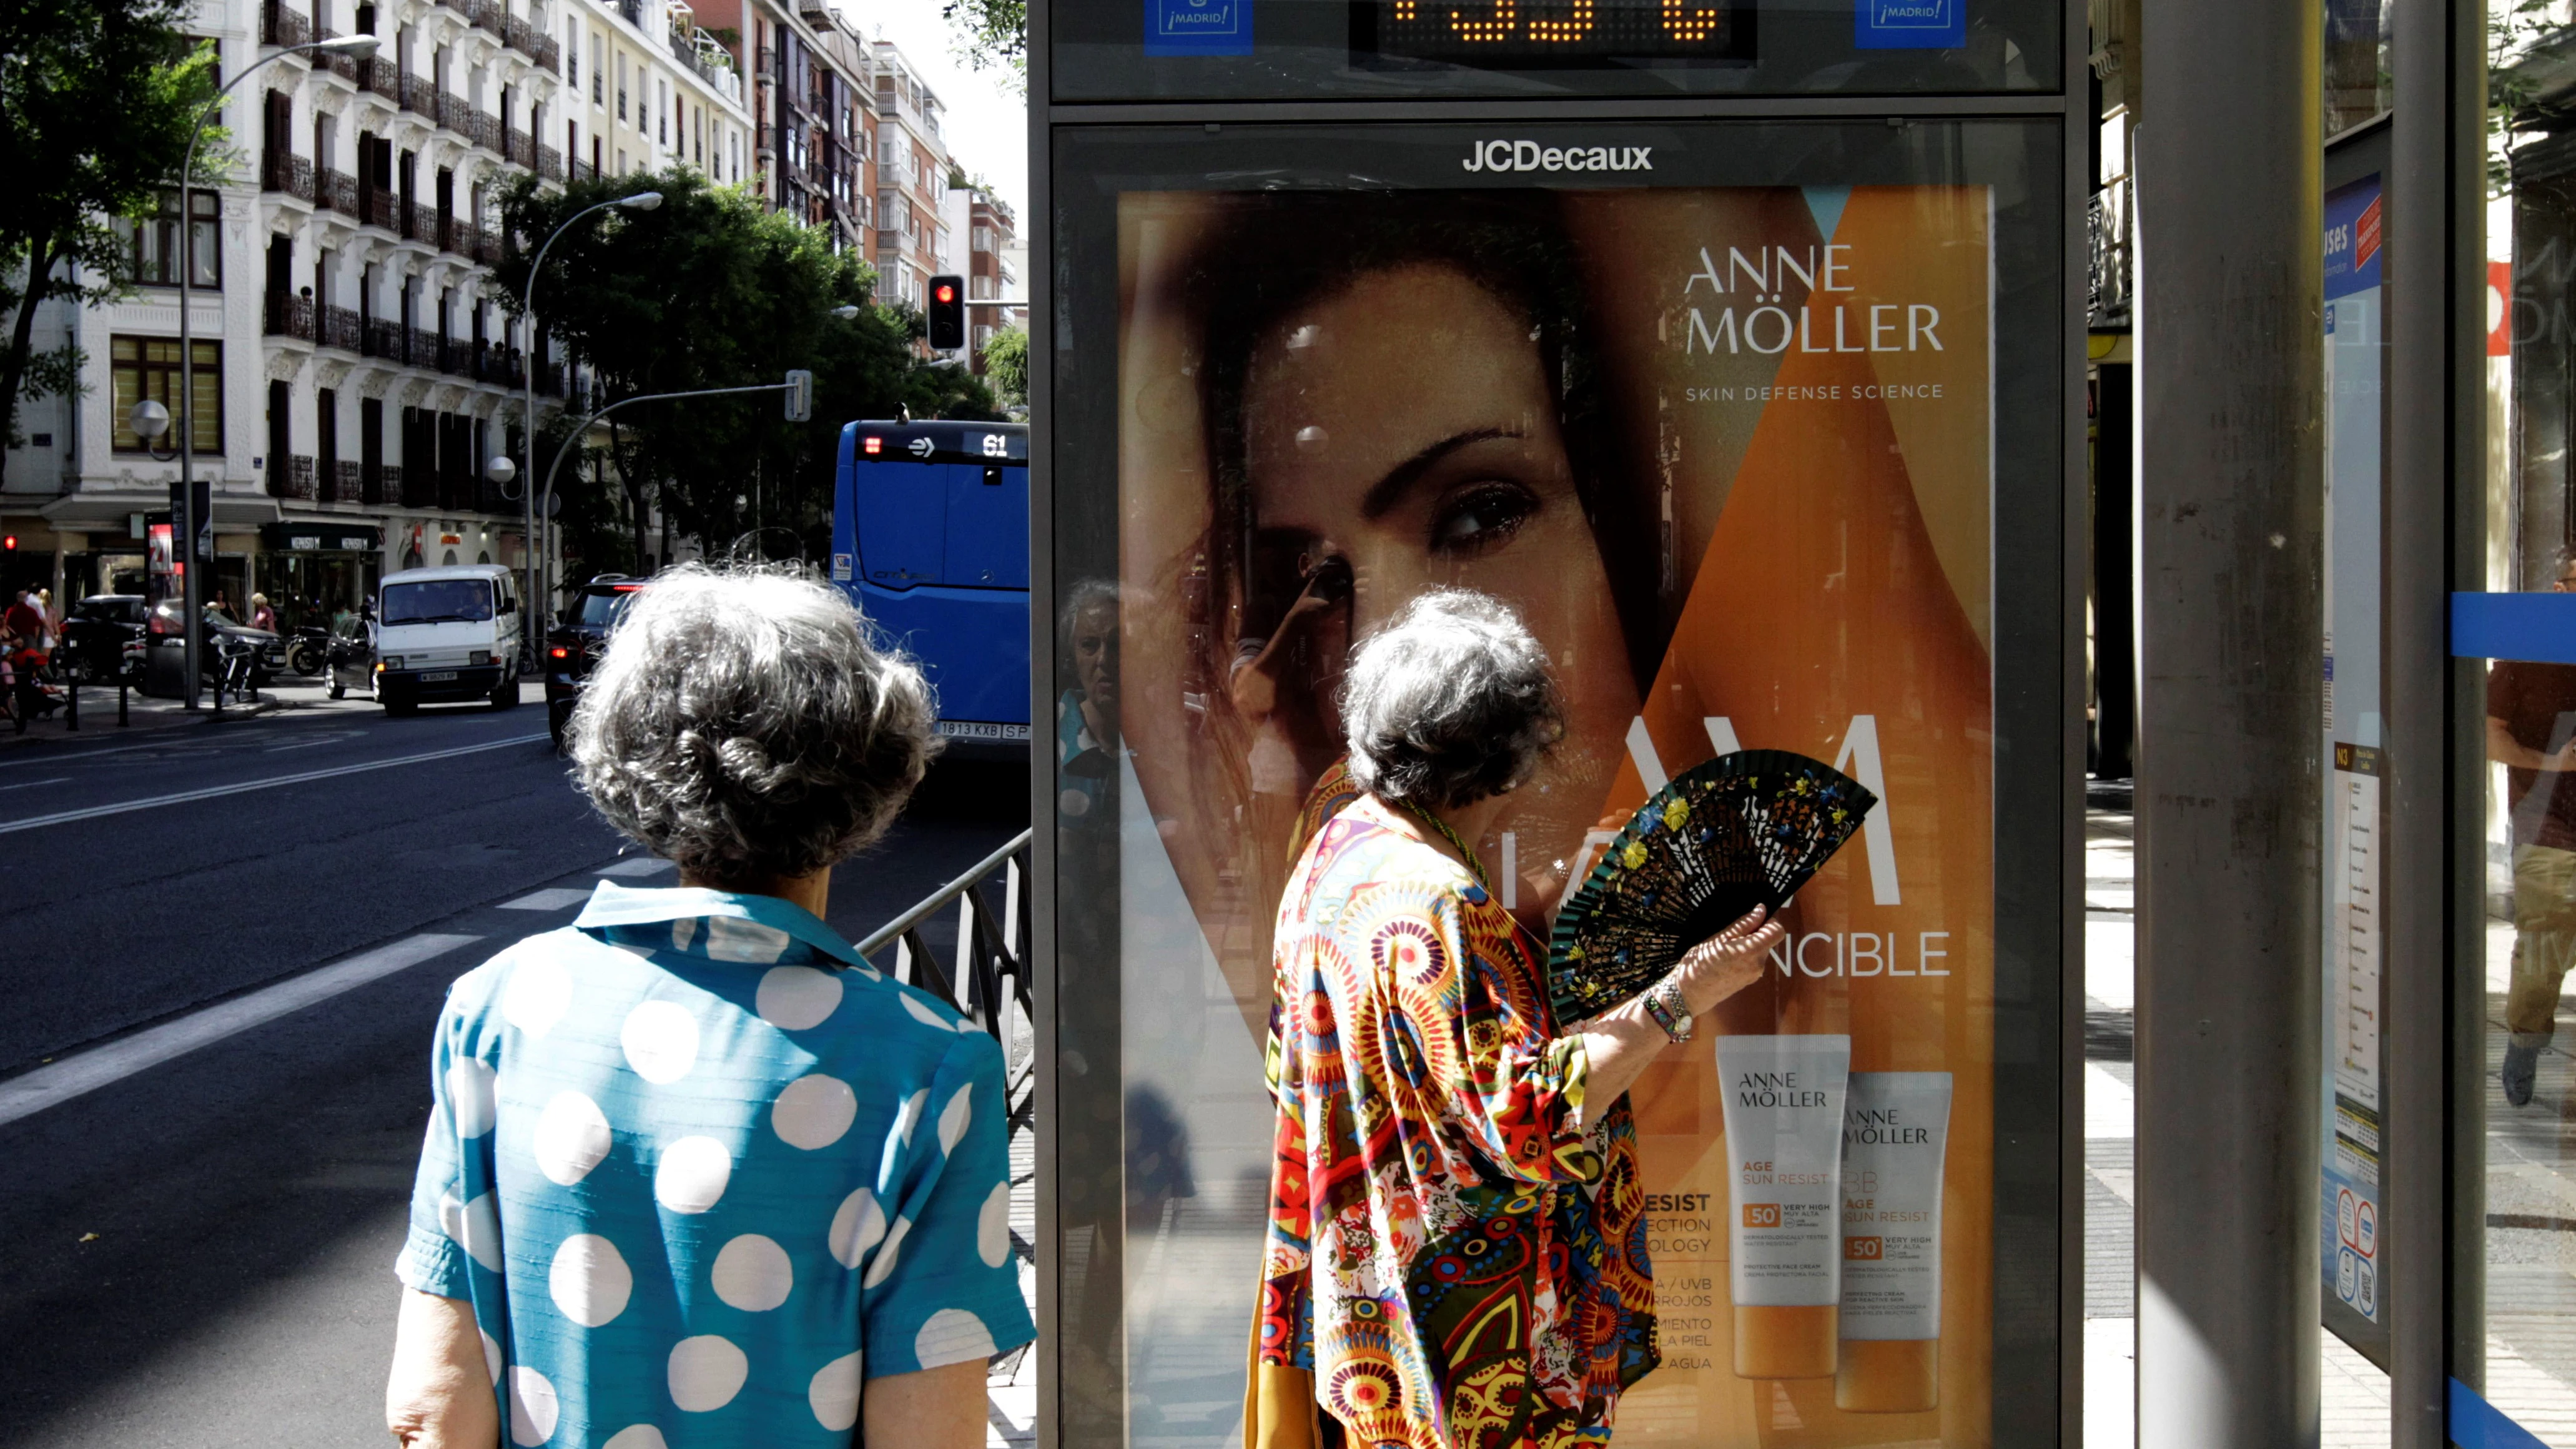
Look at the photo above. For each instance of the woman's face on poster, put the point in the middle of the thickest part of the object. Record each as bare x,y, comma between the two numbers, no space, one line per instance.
1403,425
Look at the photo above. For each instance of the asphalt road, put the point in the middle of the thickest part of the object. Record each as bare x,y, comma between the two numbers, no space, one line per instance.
196,1248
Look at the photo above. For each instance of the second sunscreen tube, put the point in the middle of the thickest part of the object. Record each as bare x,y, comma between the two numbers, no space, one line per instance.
1895,1133
1784,1129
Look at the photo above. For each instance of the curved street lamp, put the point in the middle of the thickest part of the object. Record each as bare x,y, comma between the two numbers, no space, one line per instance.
639,201
192,588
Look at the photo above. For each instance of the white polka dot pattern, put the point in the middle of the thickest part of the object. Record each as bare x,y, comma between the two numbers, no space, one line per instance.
813,1111
993,1227
834,1393
590,1281
692,1174
733,939
491,1356
706,1372
637,1436
952,1335
954,1118
752,1273
532,1407
923,1012
797,998
858,1226
572,1137
661,1041
881,1267
470,1101
537,996
475,1226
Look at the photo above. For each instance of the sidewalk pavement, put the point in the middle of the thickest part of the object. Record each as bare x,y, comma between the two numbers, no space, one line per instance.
2353,1390
289,695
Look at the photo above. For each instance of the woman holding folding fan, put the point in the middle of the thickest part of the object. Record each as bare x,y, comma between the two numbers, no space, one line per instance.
1457,1245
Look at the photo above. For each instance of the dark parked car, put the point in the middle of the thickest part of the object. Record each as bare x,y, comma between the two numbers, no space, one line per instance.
96,633
573,645
350,658
268,651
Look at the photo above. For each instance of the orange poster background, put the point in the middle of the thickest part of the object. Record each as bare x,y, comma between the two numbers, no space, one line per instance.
1826,557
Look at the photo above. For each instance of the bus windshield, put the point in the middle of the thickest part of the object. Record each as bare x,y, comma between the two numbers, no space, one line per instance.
438,601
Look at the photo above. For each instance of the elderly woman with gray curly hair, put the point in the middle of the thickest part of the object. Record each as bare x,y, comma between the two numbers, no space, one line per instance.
696,1173
1457,1247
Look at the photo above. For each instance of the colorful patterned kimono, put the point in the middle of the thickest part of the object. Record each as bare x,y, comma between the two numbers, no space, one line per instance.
1457,1265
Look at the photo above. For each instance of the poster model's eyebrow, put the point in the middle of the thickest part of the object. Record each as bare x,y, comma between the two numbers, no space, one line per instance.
1384,493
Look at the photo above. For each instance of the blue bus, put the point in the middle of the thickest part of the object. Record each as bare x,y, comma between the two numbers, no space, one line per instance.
930,536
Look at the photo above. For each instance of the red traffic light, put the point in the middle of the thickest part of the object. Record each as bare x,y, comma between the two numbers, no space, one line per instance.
9,542
946,294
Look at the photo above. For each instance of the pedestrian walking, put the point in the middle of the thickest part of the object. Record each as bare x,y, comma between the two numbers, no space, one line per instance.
2531,731
1456,1254
261,615
696,1172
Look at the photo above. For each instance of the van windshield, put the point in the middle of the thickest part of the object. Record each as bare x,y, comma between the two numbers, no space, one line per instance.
438,601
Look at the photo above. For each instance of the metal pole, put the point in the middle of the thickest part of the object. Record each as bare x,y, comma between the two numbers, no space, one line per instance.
585,425
2231,485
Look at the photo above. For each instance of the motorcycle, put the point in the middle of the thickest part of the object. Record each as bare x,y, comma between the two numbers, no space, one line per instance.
33,693
308,650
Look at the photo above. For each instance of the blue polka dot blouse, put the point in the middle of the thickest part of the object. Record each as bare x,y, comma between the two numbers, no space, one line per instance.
703,1172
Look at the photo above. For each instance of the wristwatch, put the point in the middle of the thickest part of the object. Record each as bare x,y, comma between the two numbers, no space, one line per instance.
1664,1003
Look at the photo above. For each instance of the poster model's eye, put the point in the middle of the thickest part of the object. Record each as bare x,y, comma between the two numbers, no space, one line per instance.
1481,516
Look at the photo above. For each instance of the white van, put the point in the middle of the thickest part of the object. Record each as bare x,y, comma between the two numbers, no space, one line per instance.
448,634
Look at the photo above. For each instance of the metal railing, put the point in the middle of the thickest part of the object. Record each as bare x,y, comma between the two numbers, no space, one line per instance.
344,484
335,191
290,316
281,26
287,172
295,480
990,967
2108,258
341,328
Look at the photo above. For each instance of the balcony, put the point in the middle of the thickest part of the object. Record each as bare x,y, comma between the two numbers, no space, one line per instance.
517,147
281,26
378,207
420,97
335,191
484,15
343,66
287,172
383,338
386,486
2108,276
419,224
295,480
379,76
424,347
633,10
290,316
343,328
340,484
550,165
546,52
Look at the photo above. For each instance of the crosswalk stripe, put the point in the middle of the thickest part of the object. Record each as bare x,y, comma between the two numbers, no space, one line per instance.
51,1086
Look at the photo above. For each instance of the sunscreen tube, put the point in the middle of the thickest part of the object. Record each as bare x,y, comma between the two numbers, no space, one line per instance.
1784,1118
1896,1129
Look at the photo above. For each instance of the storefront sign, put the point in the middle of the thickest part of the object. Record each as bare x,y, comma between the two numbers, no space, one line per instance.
301,536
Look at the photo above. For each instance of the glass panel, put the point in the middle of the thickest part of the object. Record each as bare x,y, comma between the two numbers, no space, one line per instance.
2518,1349
2358,84
1739,446
1379,49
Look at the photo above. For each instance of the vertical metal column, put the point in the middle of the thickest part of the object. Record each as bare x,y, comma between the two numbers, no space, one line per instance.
2230,549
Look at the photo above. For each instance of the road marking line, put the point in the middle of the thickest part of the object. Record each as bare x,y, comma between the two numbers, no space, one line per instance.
32,784
635,865
51,1086
211,792
548,900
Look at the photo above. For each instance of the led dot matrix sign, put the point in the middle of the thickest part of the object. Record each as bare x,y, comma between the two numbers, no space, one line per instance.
1756,397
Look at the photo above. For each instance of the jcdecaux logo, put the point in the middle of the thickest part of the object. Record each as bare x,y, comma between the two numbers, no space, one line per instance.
1531,156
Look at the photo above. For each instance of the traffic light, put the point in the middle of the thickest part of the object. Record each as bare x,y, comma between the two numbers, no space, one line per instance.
8,543
800,395
947,313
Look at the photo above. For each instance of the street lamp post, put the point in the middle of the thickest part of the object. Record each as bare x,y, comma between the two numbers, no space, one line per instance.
640,201
192,587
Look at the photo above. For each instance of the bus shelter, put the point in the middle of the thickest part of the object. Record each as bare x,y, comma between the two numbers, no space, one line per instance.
1739,347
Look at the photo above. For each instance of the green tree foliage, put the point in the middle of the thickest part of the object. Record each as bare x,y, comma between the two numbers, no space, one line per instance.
1006,366
991,34
97,100
709,290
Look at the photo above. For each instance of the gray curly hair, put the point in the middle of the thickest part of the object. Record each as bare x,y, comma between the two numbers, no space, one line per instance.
1449,702
745,725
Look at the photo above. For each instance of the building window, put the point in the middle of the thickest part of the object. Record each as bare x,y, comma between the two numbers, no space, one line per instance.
598,74
148,367
154,243
980,287
621,85
983,238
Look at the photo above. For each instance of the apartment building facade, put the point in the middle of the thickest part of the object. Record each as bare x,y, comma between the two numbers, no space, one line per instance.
355,365
911,180
814,112
983,231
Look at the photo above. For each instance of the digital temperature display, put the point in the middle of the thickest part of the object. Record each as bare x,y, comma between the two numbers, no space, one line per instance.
1513,35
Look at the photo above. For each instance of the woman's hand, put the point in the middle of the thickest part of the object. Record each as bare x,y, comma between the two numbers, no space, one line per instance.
1727,962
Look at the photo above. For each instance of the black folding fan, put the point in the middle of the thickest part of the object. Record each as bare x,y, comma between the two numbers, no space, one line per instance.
1740,831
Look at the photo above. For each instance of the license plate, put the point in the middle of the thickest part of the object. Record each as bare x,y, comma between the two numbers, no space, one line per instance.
981,730
441,677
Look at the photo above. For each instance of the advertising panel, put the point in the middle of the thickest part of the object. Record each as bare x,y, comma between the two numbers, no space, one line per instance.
1731,453
2350,1188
